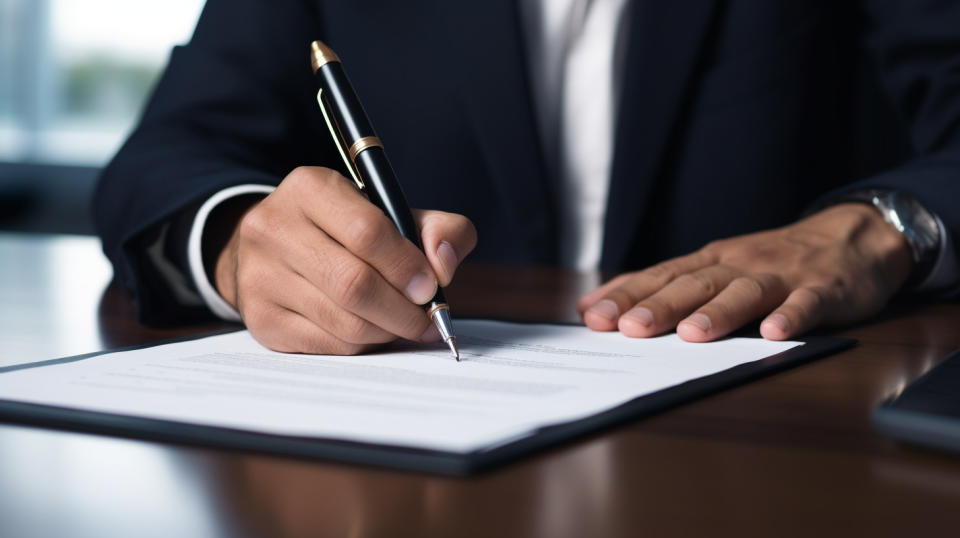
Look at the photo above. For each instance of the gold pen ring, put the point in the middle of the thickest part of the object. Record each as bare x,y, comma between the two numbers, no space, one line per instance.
366,142
434,308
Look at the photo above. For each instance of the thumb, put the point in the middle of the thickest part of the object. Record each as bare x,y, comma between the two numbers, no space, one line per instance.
447,239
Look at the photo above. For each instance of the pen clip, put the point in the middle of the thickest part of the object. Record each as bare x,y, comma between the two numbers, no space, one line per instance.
338,140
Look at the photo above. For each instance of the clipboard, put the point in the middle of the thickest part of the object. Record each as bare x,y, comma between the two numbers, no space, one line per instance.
397,457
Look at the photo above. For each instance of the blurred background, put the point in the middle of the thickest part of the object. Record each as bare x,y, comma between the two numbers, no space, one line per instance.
74,75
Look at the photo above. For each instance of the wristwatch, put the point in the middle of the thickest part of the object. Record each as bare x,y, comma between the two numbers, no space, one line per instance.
908,216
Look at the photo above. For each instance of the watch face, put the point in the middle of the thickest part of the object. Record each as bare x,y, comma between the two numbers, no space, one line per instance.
918,224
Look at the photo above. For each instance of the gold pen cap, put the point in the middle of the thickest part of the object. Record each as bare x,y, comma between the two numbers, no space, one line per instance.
321,54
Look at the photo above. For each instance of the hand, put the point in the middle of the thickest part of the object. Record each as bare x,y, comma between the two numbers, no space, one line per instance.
836,266
316,268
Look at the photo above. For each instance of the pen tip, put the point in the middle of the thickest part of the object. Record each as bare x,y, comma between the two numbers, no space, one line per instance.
452,342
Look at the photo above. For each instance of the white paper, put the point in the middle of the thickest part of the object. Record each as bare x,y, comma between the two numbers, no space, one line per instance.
514,379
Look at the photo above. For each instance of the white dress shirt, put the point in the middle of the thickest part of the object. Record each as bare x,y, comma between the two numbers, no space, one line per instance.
574,50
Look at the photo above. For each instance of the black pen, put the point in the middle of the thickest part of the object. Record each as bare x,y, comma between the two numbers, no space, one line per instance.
367,162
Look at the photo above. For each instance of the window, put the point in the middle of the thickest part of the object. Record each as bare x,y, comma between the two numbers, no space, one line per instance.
75,73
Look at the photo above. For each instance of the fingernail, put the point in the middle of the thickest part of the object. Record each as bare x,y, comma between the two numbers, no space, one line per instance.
700,321
606,309
780,321
641,315
431,335
421,288
448,257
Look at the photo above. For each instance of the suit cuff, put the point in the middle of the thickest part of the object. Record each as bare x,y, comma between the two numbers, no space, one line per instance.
945,273
198,272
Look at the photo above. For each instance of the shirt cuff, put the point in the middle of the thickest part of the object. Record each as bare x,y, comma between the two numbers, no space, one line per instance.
208,292
945,269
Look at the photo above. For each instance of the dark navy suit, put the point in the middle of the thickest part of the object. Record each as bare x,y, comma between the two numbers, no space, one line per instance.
734,116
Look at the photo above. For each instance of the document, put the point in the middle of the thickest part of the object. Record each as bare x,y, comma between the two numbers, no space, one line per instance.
514,379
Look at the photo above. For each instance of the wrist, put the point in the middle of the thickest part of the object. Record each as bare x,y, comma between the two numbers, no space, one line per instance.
908,217
225,272
220,243
209,235
873,238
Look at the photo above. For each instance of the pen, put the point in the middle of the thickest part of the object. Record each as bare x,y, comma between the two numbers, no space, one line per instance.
367,163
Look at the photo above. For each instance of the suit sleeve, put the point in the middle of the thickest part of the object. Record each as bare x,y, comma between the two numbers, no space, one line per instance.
916,45
235,105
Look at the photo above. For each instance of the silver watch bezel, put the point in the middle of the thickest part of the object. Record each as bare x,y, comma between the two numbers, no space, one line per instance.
908,216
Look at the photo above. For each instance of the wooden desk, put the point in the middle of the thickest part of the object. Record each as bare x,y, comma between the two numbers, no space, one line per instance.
793,454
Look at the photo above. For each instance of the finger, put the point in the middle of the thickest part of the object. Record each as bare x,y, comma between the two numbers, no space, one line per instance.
603,314
350,283
286,331
802,311
447,239
594,296
336,207
662,311
301,296
745,299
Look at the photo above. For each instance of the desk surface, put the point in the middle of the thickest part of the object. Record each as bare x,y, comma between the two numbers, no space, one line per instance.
792,454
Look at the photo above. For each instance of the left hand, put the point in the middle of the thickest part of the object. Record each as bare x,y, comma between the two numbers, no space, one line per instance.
837,266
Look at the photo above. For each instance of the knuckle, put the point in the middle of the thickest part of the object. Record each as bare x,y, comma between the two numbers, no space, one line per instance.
309,180
327,176
298,178
466,230
748,286
256,224
713,246
356,285
298,173
810,300
354,330
364,233
826,279
661,272
304,176
699,282
250,277
713,250
839,282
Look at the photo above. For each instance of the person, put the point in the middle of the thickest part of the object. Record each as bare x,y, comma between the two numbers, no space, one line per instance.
733,161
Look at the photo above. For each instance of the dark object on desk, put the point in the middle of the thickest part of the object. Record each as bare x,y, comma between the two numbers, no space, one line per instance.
928,411
431,461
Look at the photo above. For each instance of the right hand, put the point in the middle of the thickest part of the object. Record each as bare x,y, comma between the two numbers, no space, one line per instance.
316,268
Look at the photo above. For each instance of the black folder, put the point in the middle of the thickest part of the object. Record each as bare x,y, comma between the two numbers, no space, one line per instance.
405,458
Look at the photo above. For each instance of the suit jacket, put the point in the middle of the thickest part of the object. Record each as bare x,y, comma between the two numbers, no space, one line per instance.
734,116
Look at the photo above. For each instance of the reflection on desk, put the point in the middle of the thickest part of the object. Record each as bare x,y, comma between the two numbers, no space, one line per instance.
49,290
